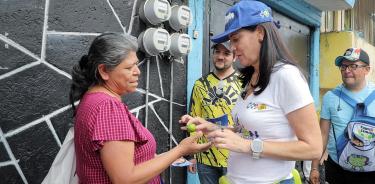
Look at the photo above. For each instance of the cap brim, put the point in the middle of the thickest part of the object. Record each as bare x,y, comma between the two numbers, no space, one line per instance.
223,37
215,45
339,60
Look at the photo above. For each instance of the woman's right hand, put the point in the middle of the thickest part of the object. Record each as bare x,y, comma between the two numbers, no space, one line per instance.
314,176
202,125
190,146
227,139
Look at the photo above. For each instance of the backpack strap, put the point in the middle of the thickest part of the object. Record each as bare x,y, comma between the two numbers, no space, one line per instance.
351,102
359,108
368,101
345,97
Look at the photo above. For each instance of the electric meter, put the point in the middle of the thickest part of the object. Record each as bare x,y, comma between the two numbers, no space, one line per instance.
180,44
181,17
155,11
154,41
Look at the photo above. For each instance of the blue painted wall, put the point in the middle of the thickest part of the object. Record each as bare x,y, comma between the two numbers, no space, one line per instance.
195,57
314,65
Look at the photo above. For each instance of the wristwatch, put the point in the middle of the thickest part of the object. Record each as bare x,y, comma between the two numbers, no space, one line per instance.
256,148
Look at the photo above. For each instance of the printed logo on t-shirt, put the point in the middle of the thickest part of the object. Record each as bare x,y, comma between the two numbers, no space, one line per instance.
240,129
257,107
250,135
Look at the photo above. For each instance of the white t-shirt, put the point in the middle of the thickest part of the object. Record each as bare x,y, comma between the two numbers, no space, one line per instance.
264,116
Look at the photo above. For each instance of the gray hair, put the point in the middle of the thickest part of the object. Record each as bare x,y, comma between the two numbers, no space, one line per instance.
108,49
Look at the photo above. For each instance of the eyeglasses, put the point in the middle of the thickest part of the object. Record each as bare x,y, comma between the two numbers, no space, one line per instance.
351,67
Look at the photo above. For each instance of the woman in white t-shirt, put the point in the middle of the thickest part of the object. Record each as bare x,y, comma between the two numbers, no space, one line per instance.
275,119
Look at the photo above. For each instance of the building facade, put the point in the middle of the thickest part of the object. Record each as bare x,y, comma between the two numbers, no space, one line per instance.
40,41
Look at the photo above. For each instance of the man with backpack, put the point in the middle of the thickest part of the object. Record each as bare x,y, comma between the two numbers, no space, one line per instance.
348,124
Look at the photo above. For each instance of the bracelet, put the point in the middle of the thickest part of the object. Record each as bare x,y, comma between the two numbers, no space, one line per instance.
315,169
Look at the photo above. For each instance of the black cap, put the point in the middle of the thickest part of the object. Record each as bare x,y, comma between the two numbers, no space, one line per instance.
353,54
225,44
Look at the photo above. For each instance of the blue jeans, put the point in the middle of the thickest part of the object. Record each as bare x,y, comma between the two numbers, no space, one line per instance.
287,181
210,175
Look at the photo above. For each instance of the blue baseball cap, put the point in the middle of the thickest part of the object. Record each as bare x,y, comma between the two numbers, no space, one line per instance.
243,14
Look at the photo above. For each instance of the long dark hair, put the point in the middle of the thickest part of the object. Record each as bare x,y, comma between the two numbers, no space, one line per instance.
108,49
272,51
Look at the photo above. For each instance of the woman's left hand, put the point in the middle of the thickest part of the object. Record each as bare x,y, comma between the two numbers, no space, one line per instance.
190,146
227,139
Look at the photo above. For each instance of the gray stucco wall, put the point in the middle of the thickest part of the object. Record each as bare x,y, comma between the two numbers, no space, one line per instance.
40,40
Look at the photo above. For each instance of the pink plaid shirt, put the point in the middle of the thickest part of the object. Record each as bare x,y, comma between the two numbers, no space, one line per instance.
101,118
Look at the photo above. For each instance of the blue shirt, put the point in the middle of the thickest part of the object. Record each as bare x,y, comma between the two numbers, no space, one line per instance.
339,113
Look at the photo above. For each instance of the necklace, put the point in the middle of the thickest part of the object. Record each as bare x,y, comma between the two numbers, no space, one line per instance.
250,87
111,91
254,80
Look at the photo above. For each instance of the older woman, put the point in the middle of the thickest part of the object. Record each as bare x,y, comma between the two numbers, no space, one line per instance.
275,119
111,144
